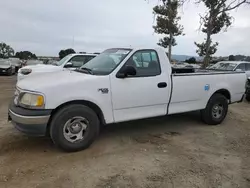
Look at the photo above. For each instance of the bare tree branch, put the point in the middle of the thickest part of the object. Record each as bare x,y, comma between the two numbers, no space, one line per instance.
202,20
230,7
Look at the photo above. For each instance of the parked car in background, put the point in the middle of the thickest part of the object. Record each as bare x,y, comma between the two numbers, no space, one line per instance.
49,61
71,61
232,66
6,67
117,86
248,89
32,62
17,63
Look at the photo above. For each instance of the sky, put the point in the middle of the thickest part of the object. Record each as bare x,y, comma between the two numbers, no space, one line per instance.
45,27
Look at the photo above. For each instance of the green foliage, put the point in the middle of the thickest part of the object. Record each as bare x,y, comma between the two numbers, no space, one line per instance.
6,51
191,60
217,23
167,19
231,58
167,23
165,41
201,51
215,20
25,55
66,52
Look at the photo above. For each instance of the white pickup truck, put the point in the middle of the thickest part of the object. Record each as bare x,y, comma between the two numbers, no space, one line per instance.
121,84
71,61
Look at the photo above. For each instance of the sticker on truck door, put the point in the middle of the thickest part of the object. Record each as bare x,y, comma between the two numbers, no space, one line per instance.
207,87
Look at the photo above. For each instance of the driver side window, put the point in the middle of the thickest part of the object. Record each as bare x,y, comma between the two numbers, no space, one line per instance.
146,63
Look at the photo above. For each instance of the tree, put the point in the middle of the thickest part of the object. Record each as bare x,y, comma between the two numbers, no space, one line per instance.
66,52
167,23
25,55
215,20
6,51
231,58
202,50
191,60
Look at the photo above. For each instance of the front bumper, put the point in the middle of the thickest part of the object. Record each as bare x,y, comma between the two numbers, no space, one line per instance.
4,71
29,121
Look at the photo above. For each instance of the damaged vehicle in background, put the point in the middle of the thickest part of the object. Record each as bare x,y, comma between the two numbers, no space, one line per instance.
17,63
6,67
232,66
71,62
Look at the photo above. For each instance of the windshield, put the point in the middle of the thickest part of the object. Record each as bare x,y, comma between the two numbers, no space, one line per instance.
63,60
224,66
107,61
4,62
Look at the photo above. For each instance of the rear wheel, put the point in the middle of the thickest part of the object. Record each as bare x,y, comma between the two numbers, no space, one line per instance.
74,127
216,110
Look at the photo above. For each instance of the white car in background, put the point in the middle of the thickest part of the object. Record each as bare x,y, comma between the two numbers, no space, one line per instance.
71,61
232,66
6,67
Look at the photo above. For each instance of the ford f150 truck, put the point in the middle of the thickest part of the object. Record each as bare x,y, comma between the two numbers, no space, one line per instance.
71,61
121,84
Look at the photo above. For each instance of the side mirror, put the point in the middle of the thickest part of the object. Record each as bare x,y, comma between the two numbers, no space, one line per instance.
68,65
126,71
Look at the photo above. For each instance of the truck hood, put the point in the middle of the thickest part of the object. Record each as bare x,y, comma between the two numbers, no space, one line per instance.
42,68
53,80
4,66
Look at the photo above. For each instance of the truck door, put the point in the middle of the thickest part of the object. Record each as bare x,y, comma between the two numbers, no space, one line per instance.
144,95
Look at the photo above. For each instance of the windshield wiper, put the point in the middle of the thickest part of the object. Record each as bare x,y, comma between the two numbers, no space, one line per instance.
87,69
84,70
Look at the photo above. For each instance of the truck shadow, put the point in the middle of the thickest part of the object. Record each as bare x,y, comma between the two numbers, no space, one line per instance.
174,125
177,122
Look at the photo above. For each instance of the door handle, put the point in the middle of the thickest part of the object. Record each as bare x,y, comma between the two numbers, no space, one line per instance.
162,85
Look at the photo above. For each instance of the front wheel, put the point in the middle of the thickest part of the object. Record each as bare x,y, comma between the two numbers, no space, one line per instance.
74,127
248,97
216,110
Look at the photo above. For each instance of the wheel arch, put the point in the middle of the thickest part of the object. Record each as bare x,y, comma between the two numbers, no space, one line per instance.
91,105
225,93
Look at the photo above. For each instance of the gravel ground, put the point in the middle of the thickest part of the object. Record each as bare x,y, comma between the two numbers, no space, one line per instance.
173,151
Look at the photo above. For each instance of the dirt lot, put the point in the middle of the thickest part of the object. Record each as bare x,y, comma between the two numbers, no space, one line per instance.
175,151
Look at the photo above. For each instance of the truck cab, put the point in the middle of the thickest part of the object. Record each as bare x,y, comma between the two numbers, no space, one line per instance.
120,84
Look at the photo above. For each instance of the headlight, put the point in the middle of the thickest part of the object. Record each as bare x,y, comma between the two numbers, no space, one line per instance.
26,71
31,100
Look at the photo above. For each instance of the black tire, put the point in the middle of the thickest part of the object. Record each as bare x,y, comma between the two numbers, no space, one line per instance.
65,114
248,97
207,114
9,73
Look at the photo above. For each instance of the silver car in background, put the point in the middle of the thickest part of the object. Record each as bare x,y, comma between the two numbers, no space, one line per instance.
6,67
232,66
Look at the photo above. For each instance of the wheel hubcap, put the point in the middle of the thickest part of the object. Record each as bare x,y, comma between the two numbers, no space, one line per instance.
217,111
74,129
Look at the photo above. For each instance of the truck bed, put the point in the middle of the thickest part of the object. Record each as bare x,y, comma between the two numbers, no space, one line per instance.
191,91
193,71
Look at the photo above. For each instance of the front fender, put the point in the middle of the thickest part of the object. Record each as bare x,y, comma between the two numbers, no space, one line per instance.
82,91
